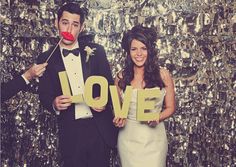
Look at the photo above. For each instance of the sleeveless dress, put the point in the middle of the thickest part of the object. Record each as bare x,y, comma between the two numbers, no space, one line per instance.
140,145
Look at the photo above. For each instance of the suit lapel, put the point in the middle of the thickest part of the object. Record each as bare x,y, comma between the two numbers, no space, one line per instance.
85,65
57,61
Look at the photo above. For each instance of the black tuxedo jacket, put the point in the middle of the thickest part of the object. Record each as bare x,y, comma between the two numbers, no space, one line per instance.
12,87
50,88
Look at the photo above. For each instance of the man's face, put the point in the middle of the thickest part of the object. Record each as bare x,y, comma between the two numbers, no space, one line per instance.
69,23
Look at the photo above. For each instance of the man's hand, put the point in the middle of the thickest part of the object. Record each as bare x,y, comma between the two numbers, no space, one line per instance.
62,102
119,122
35,71
98,109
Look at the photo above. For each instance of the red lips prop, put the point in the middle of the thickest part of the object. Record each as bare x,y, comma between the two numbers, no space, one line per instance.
65,35
68,36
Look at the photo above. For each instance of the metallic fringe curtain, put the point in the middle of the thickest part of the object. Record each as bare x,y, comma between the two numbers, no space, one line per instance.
196,43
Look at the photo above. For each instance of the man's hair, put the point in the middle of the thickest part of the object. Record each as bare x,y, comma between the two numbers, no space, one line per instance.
73,8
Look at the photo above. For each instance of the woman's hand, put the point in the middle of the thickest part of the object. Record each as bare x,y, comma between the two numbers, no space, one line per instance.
153,123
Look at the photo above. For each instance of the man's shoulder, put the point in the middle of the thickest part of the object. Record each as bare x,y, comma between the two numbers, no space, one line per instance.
92,45
43,56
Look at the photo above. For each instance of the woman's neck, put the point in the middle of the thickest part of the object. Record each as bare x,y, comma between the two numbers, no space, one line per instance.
138,72
138,80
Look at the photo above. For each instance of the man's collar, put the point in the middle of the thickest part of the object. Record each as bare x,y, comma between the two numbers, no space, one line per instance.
76,45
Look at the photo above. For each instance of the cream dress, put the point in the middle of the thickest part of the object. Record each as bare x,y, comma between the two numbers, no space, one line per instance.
140,145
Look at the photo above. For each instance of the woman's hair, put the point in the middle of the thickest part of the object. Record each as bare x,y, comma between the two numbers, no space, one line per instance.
147,36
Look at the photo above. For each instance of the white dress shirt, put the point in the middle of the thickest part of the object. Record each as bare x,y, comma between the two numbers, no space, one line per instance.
74,72
26,80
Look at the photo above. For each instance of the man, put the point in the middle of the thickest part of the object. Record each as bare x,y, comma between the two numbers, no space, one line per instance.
20,82
85,134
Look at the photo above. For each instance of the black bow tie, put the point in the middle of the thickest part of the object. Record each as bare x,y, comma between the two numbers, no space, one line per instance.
67,52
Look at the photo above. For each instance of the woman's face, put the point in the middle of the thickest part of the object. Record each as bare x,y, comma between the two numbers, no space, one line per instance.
138,53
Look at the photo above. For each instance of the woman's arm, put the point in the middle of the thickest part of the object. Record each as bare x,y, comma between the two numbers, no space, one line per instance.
170,95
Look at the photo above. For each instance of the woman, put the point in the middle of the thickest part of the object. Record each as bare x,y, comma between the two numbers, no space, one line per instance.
143,143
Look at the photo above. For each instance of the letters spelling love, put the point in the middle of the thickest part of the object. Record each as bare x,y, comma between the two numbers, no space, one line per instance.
120,111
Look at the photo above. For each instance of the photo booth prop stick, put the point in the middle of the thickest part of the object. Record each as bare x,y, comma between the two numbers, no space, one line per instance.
147,98
65,35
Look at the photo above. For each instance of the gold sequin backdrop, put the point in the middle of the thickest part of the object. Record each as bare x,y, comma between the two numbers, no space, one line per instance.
196,43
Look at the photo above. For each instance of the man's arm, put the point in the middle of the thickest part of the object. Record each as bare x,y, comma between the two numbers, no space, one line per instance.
104,69
49,93
12,87
46,91
18,83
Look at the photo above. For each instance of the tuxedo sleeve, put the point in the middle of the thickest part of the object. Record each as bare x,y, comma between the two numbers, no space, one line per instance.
104,69
46,94
46,89
12,87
